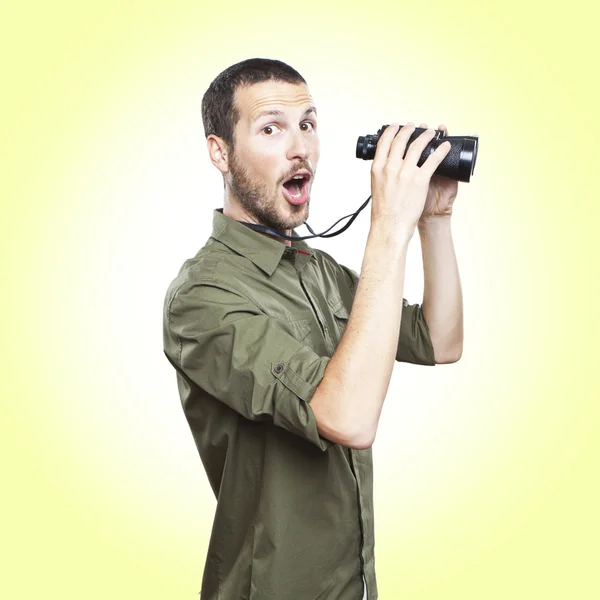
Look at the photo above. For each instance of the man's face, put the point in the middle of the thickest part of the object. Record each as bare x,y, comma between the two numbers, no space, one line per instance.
275,138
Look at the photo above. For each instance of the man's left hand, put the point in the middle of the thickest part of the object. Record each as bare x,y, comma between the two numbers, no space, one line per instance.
441,195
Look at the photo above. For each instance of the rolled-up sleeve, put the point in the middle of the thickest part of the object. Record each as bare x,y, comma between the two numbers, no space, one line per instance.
253,362
414,342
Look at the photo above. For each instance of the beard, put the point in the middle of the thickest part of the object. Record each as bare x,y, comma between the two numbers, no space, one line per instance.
263,203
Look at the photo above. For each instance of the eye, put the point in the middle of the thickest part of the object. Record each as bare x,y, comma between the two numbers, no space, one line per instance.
269,129
311,126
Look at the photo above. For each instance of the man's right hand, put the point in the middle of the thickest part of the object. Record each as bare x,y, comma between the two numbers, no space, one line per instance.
398,186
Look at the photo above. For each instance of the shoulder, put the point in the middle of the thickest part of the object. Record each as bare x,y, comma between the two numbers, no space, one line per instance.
346,277
327,263
203,269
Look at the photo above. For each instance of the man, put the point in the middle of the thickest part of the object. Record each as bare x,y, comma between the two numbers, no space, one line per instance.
283,356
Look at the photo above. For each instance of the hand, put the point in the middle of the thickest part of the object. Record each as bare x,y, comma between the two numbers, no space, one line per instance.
399,187
441,194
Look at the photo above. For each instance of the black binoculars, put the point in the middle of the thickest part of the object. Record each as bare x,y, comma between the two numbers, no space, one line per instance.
458,164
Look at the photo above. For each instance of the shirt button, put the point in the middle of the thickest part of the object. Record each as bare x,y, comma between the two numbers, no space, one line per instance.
278,368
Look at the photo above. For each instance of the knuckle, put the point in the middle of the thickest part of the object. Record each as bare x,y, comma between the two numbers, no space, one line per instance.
406,175
422,177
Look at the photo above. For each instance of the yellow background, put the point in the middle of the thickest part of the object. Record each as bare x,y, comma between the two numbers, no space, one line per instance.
486,471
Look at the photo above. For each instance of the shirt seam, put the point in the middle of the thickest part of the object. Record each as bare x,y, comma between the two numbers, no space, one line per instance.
243,293
187,280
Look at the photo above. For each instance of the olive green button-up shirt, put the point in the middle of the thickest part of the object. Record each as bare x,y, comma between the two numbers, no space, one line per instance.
249,326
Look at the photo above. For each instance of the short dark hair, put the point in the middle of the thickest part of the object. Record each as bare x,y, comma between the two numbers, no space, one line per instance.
219,114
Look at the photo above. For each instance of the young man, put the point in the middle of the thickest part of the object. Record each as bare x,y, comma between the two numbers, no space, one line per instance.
283,356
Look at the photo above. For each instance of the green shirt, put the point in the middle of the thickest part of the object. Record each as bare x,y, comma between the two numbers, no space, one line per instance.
249,326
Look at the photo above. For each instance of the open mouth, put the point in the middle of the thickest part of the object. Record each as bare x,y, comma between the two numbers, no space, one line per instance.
295,189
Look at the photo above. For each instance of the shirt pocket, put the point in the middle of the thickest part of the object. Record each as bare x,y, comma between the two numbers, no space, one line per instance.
341,314
299,325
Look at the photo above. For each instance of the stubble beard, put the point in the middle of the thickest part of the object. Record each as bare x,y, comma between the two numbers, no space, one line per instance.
260,203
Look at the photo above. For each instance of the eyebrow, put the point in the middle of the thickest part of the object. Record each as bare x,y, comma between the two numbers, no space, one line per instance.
278,113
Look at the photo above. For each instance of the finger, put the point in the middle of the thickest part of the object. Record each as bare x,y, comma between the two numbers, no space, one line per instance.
443,128
423,125
435,158
416,148
399,146
383,146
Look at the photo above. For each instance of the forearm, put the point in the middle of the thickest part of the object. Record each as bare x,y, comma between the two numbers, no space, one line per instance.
442,297
349,399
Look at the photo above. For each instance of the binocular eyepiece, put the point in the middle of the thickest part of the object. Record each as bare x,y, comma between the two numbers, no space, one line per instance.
458,164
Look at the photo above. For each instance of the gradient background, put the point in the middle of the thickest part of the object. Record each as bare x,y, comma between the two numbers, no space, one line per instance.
486,471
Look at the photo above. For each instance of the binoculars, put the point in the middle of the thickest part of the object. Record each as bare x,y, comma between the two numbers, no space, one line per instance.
458,164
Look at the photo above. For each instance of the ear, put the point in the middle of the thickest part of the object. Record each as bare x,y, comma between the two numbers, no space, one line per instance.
218,152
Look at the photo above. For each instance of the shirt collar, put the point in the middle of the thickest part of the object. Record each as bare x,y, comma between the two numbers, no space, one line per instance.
264,251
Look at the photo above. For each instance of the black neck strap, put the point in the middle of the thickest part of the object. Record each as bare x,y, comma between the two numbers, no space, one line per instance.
282,235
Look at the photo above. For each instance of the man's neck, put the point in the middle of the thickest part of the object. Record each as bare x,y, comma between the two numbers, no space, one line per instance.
233,210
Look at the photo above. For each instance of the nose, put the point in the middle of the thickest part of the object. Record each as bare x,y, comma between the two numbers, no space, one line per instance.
298,148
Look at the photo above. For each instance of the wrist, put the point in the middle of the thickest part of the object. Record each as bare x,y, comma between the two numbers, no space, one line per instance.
392,236
434,222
